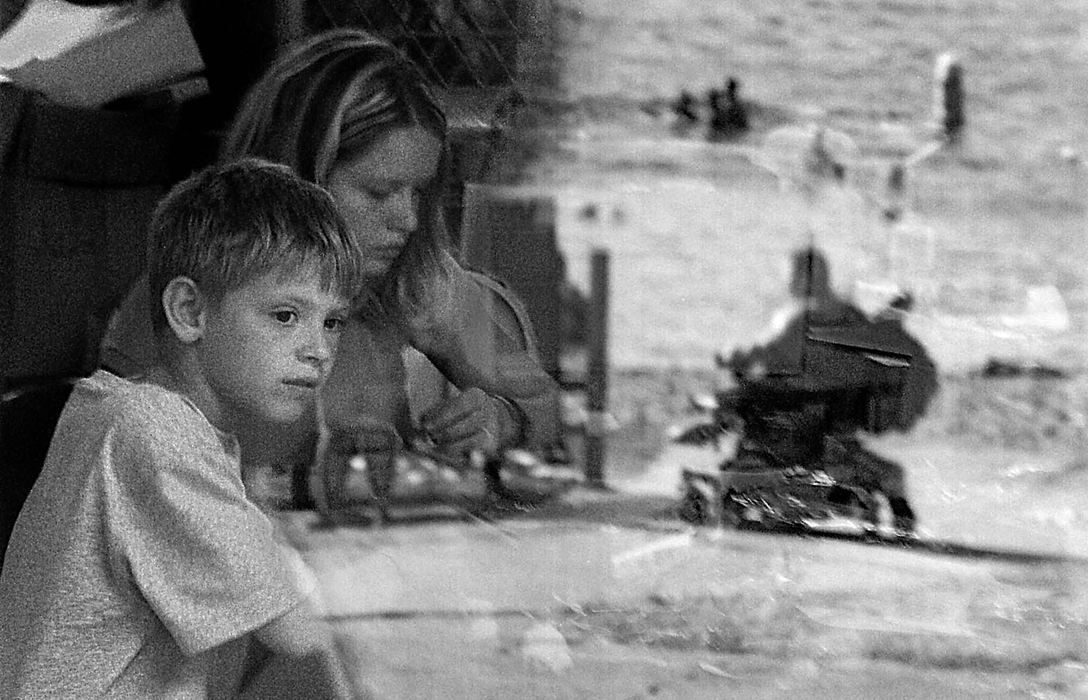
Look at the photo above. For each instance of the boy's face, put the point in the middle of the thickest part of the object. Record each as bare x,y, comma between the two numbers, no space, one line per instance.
267,347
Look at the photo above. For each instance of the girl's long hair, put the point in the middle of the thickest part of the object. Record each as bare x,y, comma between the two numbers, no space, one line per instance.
332,96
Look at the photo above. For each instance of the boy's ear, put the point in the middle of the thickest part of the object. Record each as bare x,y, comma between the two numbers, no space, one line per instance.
185,307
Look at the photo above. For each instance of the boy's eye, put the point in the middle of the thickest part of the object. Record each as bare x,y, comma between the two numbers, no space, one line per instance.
285,316
335,324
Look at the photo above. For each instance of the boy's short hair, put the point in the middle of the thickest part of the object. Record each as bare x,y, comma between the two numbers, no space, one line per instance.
231,223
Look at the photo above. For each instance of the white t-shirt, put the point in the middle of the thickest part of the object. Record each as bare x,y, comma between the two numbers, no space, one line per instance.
137,564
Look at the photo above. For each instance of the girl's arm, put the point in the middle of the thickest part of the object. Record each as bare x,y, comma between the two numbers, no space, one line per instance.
479,336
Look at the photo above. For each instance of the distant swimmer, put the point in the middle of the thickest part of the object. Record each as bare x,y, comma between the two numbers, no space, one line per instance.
819,164
686,108
729,116
949,97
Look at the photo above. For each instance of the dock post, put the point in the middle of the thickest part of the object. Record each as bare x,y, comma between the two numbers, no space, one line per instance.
597,370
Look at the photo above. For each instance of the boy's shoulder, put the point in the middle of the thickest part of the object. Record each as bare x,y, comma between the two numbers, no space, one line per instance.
140,436
129,397
136,407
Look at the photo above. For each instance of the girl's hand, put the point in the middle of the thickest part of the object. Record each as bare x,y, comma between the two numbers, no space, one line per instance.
472,420
441,322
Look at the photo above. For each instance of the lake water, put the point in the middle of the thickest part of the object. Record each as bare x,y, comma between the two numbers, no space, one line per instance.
700,232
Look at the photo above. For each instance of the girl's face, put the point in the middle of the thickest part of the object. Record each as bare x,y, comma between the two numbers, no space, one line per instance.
378,189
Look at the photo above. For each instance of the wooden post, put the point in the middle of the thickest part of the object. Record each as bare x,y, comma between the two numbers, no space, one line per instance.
597,370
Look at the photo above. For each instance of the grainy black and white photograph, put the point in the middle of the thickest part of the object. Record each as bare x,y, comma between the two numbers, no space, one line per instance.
543,349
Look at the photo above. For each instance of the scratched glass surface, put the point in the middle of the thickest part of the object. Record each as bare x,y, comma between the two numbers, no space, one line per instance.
610,594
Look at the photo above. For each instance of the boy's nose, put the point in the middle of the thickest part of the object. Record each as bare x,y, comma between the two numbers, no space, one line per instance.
317,348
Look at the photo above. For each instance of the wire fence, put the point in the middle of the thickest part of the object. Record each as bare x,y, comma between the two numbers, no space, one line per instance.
457,43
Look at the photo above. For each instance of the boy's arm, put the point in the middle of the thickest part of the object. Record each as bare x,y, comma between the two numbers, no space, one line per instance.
204,559
294,655
301,660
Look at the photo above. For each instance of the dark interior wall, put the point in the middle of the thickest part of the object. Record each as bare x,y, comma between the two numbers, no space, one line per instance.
513,236
77,188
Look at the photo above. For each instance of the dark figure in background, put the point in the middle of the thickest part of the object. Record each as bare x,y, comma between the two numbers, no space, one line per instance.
685,106
950,97
729,117
817,394
91,137
686,110
813,303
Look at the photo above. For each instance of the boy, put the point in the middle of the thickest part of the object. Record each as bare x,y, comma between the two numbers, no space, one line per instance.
137,567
